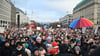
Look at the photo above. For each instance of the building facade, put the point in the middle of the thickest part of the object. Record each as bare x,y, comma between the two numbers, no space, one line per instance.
5,13
66,20
13,15
21,17
89,9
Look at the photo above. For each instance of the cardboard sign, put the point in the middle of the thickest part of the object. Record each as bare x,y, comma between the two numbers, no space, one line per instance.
2,29
83,29
96,30
58,25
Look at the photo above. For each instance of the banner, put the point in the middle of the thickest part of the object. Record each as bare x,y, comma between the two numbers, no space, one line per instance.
2,29
96,30
58,25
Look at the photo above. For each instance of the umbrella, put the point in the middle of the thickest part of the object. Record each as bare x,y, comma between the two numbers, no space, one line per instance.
81,22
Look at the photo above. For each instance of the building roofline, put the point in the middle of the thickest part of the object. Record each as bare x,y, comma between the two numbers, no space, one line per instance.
81,4
19,10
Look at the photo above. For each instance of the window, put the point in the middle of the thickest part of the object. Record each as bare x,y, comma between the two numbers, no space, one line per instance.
98,11
99,6
98,22
1,21
98,1
98,17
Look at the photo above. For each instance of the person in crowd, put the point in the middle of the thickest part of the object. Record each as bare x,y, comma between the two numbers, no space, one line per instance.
96,52
39,43
55,49
63,50
49,42
6,49
35,51
20,50
42,52
26,50
77,48
58,42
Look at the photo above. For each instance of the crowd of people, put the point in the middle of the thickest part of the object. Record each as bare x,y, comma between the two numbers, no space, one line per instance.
49,42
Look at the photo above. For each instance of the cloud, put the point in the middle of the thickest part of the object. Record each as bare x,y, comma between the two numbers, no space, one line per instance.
62,5
47,10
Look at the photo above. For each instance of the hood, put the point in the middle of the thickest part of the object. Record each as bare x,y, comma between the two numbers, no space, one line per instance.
63,48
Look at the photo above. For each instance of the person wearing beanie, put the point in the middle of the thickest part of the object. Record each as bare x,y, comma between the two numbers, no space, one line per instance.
38,39
77,48
31,43
39,43
55,49
48,41
46,35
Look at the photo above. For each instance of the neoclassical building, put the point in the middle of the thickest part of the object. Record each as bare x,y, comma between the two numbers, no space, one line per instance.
89,9
5,13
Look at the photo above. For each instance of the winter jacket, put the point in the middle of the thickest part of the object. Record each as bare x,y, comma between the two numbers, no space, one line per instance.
6,51
40,46
63,50
96,52
22,51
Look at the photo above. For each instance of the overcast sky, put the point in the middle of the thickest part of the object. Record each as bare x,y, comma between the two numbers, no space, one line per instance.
46,10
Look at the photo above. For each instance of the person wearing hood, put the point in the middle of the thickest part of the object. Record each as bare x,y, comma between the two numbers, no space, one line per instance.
63,50
6,50
55,49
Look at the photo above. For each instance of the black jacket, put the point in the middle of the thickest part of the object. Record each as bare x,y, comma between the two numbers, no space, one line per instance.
40,46
63,50
17,52
96,52
6,51
64,54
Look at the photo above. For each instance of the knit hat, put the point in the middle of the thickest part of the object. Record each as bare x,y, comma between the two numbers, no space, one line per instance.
54,44
49,38
78,41
38,38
